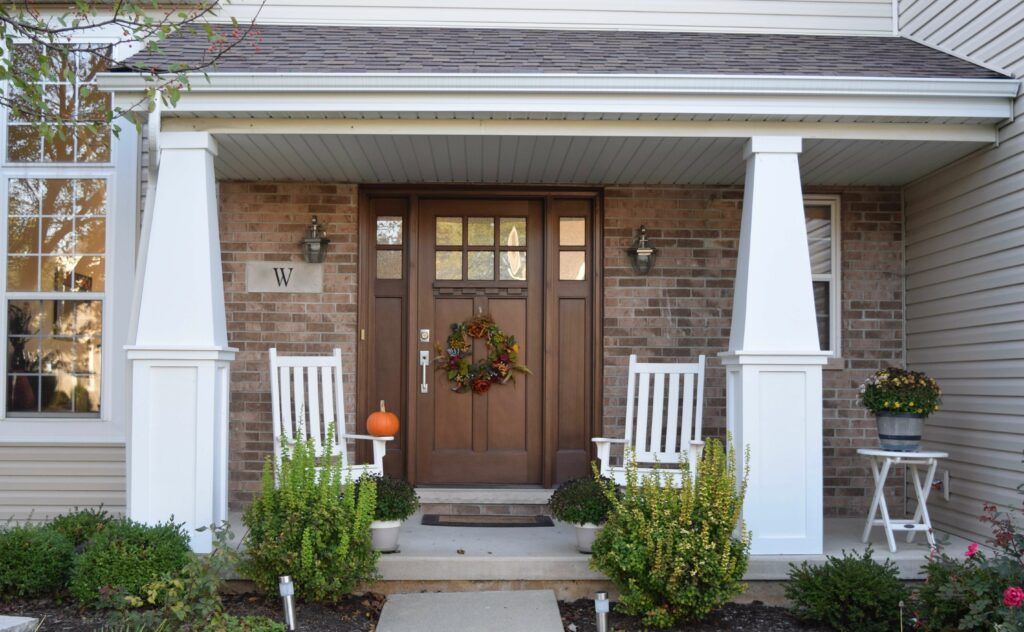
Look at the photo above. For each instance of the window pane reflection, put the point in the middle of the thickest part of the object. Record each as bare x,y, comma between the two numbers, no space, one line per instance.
481,266
53,356
512,266
448,265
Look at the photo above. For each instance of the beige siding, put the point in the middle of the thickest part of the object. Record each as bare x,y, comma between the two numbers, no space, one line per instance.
965,275
848,17
38,482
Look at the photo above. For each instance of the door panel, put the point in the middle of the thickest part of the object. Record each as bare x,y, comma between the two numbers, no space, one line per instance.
481,256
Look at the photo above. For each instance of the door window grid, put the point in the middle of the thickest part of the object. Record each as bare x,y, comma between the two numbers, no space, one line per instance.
572,249
389,247
480,248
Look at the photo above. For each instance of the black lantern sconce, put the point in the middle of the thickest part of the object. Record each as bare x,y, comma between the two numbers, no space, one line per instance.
642,253
314,246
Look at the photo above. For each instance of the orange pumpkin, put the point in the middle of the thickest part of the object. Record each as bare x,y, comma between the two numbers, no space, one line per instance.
382,423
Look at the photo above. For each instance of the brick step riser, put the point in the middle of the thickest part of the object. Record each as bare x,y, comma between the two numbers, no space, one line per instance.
485,509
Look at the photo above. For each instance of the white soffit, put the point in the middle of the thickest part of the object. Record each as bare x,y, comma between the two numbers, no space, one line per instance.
567,160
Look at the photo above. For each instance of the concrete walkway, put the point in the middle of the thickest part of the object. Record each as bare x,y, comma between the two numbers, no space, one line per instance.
18,624
507,611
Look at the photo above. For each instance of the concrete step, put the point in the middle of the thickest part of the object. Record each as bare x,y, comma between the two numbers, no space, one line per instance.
509,611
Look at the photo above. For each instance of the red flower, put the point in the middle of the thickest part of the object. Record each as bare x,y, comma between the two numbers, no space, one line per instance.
972,549
480,385
1013,596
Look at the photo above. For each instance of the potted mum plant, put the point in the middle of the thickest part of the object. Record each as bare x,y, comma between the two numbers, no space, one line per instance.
901,400
396,501
582,502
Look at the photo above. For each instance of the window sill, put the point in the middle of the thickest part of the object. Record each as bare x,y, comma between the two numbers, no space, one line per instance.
53,430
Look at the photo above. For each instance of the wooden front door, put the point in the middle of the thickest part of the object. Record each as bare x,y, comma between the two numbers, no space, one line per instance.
431,258
481,257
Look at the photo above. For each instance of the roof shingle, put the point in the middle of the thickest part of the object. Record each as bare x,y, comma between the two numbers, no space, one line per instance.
346,49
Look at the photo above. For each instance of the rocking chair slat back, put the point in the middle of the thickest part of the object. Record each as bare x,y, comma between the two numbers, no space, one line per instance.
660,426
307,394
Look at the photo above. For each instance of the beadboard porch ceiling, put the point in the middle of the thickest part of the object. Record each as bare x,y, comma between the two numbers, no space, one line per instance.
567,160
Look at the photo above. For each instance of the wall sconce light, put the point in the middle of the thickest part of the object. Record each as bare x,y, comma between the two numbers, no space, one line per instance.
314,246
642,253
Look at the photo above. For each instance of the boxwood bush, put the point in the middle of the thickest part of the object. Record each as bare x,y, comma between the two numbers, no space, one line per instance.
124,557
34,561
852,593
81,525
581,501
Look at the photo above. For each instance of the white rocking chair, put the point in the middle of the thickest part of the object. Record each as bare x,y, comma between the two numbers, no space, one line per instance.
660,435
307,395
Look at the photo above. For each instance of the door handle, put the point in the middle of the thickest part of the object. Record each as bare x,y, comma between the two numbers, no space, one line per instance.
424,363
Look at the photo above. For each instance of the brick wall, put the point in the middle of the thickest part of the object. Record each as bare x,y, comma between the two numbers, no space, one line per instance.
264,222
683,309
678,312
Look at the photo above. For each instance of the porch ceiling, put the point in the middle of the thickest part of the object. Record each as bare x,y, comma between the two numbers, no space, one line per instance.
569,160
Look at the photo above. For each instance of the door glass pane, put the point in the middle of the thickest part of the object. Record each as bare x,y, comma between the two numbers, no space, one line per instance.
481,231
572,266
389,264
389,231
449,231
572,231
512,266
448,265
481,266
513,231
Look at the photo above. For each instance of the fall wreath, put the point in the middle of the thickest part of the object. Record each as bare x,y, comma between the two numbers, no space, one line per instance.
456,357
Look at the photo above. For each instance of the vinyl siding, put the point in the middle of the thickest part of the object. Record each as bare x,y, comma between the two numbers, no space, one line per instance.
847,17
965,276
38,482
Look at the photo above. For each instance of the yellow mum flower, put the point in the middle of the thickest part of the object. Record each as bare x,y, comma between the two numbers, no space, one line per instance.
896,405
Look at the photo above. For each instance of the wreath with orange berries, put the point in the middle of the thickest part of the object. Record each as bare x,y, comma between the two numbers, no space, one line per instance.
456,357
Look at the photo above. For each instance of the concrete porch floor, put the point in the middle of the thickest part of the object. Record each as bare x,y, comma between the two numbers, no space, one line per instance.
548,554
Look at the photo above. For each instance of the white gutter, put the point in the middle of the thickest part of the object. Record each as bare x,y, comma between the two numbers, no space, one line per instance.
579,83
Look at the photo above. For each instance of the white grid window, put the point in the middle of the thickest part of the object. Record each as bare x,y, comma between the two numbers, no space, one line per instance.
823,232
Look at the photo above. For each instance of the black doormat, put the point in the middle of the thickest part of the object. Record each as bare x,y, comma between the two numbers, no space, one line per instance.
450,520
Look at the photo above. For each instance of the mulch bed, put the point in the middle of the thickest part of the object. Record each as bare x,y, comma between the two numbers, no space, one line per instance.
352,614
753,617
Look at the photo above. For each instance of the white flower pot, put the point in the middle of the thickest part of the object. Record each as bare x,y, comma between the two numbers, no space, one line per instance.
385,535
585,534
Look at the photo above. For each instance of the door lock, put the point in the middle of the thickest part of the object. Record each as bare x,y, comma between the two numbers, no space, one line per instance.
424,363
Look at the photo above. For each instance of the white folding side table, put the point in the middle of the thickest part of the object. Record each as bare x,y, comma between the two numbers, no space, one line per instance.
881,462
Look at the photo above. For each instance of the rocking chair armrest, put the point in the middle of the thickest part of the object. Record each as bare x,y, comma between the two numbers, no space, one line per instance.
696,442
367,437
600,440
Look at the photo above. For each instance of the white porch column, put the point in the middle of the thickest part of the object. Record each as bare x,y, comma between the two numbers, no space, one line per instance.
773,366
177,449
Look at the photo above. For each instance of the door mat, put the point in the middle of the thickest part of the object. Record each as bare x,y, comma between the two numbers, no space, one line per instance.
450,520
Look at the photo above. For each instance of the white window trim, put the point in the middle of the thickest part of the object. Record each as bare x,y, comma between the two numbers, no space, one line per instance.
834,279
122,175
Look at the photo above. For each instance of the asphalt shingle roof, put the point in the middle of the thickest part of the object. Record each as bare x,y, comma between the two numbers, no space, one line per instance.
338,49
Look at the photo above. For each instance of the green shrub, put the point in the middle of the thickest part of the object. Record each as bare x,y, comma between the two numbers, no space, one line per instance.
853,593
80,525
34,561
672,552
124,557
396,499
304,528
581,500
189,599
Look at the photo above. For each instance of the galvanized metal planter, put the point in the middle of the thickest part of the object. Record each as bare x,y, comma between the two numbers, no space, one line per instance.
900,431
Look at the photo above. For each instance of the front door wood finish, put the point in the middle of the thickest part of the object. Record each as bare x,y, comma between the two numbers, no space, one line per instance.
433,257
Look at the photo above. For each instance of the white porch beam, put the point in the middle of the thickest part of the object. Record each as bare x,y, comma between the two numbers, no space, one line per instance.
985,133
773,366
177,450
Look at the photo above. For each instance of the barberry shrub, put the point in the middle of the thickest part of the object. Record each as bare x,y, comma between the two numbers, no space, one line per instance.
852,593
312,524
676,553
